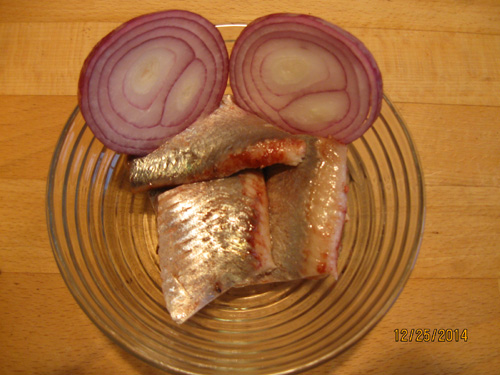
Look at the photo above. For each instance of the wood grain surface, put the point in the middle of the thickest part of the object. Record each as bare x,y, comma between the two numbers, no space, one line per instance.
440,60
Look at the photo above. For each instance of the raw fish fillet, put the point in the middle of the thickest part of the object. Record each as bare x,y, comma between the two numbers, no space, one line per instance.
225,142
307,221
213,235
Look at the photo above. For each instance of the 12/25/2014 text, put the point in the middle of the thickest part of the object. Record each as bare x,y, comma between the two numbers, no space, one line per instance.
431,335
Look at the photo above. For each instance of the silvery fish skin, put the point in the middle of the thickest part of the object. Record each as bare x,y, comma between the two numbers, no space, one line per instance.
225,142
213,235
307,222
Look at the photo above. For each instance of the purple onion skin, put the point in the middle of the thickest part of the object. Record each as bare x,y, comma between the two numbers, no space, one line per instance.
142,147
359,50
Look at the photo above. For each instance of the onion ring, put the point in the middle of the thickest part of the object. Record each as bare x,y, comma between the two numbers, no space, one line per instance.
307,76
152,77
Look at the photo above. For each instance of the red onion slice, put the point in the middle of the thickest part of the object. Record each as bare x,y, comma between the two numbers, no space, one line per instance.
151,78
306,75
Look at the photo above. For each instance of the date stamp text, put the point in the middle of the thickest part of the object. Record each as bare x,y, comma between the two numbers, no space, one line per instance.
431,335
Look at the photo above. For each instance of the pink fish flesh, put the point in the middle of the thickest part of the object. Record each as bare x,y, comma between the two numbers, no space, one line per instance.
225,142
307,222
213,235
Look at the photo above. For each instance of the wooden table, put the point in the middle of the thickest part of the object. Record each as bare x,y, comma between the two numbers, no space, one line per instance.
441,64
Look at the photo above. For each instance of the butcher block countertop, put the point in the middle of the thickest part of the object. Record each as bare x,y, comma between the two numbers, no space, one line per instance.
440,61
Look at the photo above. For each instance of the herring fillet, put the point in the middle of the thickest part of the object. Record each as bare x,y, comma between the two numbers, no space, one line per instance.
225,142
306,223
213,235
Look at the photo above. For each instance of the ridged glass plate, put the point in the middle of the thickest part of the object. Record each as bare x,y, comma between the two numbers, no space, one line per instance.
104,241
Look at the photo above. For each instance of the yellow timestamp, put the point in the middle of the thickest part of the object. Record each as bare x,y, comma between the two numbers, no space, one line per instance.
431,335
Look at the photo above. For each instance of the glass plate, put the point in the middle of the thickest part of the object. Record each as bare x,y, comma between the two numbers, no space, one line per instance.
104,241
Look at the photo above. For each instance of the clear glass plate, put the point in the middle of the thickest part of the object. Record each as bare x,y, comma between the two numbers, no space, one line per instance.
104,241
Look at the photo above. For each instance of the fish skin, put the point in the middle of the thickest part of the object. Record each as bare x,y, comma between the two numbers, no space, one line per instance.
213,235
225,142
307,222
